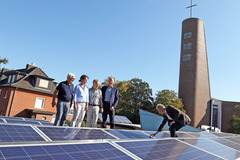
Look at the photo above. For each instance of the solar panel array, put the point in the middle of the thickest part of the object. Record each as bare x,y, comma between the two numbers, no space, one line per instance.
17,133
20,120
117,119
18,141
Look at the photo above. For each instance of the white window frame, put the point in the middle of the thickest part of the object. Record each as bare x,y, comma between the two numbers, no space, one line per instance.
42,105
6,92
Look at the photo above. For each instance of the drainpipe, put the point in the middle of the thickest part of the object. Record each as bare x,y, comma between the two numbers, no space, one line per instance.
12,102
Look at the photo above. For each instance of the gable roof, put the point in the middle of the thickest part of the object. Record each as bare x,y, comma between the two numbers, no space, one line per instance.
28,78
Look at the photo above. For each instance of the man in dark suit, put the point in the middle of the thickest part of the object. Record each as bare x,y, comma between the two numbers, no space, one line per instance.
176,119
110,101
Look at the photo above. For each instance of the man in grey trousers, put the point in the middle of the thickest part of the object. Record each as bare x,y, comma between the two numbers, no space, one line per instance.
95,103
64,93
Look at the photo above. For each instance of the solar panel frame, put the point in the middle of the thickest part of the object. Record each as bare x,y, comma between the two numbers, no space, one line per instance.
165,149
101,150
1,121
56,133
21,120
117,119
16,133
128,134
213,147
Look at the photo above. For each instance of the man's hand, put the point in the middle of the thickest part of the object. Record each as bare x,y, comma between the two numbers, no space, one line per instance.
86,108
101,110
153,135
53,104
112,108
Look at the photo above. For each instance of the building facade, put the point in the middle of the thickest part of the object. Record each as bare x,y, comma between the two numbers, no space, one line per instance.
194,84
26,93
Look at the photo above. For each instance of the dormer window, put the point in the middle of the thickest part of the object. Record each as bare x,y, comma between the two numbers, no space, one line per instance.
43,83
11,78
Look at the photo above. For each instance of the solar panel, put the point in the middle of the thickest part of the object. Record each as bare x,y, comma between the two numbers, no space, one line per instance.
159,135
1,121
22,122
128,134
16,133
165,149
214,147
14,118
64,151
117,119
63,133
19,120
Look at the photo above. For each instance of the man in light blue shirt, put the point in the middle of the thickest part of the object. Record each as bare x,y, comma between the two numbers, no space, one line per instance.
80,99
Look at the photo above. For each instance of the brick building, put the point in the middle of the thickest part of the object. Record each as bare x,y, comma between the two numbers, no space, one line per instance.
27,93
194,83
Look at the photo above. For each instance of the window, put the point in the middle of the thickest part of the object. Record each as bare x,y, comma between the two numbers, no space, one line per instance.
0,91
9,78
187,46
187,35
44,118
13,78
186,57
216,113
215,117
43,83
6,92
39,103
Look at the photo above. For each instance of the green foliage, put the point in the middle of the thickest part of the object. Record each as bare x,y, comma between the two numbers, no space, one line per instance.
234,123
82,125
4,61
134,95
167,97
68,122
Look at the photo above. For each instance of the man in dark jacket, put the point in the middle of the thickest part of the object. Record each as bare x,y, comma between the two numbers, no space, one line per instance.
176,119
110,101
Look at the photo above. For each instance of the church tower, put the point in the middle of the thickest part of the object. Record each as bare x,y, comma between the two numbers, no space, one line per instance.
194,87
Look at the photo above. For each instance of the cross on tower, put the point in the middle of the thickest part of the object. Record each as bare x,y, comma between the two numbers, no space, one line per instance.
191,8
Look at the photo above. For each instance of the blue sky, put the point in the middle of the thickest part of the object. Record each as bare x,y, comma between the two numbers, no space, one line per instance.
120,38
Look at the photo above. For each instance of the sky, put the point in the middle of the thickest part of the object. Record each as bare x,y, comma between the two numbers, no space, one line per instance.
121,38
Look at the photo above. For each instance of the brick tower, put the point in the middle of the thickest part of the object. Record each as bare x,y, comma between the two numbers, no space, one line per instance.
194,87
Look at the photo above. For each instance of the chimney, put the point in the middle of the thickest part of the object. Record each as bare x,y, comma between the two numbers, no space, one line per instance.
30,65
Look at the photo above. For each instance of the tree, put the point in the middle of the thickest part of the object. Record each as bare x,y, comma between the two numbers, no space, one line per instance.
134,95
4,61
167,97
234,123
